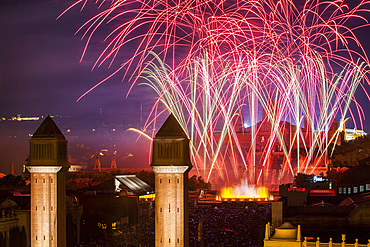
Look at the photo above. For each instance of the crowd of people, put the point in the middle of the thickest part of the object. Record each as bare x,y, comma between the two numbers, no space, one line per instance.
227,225
223,225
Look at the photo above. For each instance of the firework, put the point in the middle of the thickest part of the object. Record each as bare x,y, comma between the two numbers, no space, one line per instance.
221,60
207,107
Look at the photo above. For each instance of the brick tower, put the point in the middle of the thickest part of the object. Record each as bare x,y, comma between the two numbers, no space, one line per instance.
47,164
171,164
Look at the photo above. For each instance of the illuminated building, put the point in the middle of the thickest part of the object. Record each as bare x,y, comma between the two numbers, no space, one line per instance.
269,157
19,118
47,164
353,134
113,164
288,235
285,235
328,212
97,165
14,223
171,164
77,168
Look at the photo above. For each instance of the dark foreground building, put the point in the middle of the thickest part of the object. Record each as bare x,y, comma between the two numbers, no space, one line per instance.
111,206
331,212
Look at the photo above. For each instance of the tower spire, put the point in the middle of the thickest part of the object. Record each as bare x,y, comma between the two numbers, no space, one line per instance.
113,164
97,165
171,164
48,164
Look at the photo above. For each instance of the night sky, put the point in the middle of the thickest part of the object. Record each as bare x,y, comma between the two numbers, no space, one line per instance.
40,72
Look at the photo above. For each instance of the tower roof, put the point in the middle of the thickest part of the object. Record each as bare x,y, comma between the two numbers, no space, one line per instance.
48,129
171,128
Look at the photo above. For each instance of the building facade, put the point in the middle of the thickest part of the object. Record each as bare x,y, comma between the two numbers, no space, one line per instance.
14,224
267,152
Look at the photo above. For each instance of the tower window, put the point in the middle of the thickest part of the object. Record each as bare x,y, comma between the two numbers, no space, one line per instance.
178,180
169,240
160,181
51,208
361,188
160,210
51,237
161,240
36,181
36,208
178,210
44,237
178,240
44,180
167,150
169,181
44,210
51,180
36,237
355,189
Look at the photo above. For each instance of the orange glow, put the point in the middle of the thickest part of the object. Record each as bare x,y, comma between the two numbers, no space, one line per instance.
149,196
244,192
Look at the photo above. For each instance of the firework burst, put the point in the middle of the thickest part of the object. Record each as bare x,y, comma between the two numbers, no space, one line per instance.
292,61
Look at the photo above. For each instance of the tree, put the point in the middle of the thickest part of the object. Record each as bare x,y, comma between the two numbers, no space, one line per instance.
350,153
299,179
334,176
202,184
193,183
11,182
196,183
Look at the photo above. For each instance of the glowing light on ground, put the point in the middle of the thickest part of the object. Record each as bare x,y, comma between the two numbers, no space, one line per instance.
244,191
150,197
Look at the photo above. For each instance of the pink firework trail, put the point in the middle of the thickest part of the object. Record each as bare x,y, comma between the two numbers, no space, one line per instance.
293,61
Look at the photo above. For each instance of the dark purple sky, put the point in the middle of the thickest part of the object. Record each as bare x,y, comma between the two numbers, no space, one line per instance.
40,71
40,74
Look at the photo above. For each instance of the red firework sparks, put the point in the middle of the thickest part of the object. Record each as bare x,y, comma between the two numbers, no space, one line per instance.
275,55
